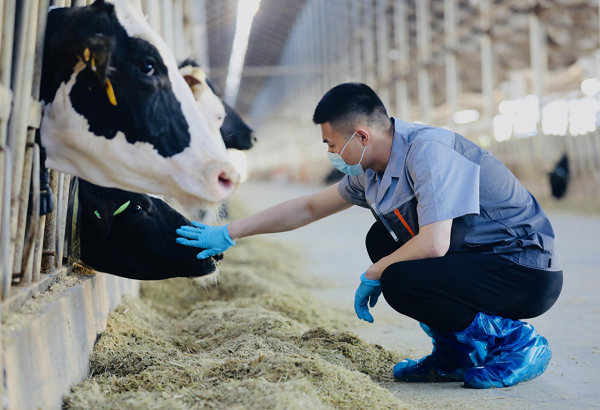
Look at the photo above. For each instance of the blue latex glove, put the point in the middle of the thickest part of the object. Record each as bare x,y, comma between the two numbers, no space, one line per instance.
368,291
214,239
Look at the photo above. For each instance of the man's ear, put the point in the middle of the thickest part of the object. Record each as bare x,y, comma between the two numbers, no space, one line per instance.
364,135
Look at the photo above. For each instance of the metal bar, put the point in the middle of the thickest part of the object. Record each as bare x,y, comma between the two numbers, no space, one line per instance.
201,33
537,52
487,79
535,45
23,204
27,264
36,36
452,78
178,33
369,43
355,36
424,50
321,58
63,219
17,126
57,246
153,11
49,243
383,68
403,105
37,250
5,261
329,48
167,22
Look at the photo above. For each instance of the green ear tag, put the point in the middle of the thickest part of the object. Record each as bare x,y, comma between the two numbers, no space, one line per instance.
97,214
122,208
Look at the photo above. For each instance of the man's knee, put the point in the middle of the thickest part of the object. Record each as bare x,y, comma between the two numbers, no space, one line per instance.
399,283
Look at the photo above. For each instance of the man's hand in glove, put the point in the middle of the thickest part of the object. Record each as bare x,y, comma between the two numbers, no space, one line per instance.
214,239
368,292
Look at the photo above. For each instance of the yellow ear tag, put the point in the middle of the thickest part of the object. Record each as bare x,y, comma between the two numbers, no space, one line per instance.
93,64
110,92
86,55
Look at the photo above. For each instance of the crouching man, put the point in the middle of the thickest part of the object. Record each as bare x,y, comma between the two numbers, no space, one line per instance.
458,243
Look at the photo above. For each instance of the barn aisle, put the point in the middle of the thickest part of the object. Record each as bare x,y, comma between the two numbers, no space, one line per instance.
335,256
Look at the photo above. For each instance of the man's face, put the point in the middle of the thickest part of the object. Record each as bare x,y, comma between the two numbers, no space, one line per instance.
336,142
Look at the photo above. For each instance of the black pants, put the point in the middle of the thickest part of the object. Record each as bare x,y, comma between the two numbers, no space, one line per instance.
446,293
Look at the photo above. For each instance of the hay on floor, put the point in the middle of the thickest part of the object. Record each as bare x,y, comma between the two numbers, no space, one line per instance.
256,340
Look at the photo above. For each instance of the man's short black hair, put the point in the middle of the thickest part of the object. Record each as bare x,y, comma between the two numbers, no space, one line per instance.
348,105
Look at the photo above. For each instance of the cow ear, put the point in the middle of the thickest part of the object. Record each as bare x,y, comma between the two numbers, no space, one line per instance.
191,80
195,85
96,54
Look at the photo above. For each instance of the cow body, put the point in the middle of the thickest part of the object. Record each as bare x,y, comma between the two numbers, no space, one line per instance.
138,242
118,113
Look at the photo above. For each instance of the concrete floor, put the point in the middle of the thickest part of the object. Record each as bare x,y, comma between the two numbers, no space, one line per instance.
335,255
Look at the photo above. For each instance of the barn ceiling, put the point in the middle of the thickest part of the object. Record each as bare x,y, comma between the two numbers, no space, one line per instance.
270,29
572,31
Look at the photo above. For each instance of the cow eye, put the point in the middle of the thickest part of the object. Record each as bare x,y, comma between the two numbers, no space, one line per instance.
137,210
147,67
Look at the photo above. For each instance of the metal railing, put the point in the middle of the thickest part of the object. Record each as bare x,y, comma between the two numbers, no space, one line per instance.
32,247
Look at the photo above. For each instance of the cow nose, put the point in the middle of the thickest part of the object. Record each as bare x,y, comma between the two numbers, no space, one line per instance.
227,180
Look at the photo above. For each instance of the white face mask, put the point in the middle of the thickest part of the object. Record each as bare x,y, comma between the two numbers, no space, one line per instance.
338,162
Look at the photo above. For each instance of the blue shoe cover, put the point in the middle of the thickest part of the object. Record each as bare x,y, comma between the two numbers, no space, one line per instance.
516,353
446,363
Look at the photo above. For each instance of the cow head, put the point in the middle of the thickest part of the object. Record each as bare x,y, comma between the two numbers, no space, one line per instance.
133,236
118,113
210,105
234,132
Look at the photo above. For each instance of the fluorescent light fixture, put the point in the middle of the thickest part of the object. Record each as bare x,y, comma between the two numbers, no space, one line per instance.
555,118
463,117
590,87
246,11
239,162
484,141
503,127
582,115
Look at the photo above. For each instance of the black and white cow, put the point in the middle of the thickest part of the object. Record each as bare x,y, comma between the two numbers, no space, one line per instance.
133,235
118,113
234,131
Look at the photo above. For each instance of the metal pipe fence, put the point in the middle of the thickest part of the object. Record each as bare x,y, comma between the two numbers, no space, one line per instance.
32,246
